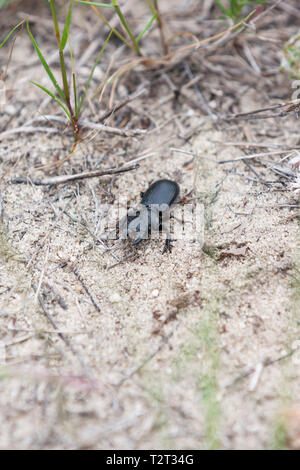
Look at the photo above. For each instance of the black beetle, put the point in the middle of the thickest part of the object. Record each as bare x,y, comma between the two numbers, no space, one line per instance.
153,212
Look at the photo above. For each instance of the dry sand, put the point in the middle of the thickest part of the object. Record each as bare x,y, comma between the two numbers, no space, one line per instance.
183,350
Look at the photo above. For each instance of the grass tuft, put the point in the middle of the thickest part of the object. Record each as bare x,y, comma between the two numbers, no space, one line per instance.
235,8
131,41
66,96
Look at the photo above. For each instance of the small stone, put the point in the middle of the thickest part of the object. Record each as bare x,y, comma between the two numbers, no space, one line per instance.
155,293
10,110
114,298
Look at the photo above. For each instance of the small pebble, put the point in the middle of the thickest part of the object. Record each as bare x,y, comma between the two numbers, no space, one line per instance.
10,110
114,298
155,293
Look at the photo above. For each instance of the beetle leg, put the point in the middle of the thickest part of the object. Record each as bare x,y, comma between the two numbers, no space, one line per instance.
176,218
138,240
168,247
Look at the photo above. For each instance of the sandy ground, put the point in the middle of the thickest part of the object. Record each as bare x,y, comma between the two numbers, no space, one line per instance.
189,350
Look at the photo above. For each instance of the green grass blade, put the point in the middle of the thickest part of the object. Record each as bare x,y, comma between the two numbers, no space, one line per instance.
54,97
224,10
257,2
115,31
75,96
126,26
74,82
66,91
92,72
10,33
151,6
96,4
45,65
55,22
66,30
147,27
3,3
235,8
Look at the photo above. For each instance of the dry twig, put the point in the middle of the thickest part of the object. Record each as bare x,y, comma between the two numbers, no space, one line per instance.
149,357
62,335
54,180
